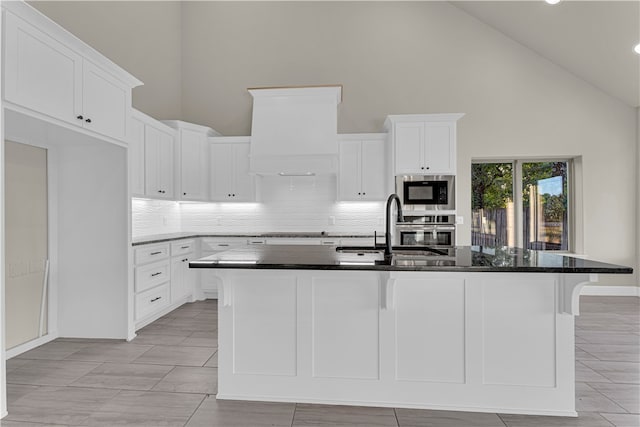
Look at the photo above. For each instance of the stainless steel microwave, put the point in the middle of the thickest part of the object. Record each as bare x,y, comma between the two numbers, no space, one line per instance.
426,192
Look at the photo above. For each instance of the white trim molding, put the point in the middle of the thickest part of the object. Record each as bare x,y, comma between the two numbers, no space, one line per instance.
611,291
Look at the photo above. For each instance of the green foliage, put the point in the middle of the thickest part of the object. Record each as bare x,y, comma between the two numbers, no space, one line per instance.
491,185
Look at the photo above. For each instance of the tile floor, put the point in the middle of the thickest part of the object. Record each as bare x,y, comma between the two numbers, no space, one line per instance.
167,377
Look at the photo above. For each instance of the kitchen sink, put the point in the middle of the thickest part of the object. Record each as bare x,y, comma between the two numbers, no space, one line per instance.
409,251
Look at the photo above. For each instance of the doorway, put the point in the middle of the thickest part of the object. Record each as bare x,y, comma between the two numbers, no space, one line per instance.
26,244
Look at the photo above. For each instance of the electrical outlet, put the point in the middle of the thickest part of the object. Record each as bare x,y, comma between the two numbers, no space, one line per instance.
459,219
332,220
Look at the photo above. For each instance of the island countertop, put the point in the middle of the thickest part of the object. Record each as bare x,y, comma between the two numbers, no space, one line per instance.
459,259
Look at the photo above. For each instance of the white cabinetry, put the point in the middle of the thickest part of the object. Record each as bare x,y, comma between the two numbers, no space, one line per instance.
50,72
192,160
230,178
423,144
363,169
151,157
152,279
162,279
183,279
158,162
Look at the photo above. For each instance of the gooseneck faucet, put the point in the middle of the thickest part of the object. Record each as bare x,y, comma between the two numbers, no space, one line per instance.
387,236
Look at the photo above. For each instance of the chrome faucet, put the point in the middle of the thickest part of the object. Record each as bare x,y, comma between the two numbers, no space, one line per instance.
387,237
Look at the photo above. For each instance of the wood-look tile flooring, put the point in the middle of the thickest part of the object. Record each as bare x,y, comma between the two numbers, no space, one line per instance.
167,376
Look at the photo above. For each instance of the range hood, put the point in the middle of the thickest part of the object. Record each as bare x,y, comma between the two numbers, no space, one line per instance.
294,130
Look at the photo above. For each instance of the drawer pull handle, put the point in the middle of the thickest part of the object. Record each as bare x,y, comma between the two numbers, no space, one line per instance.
155,253
155,274
223,244
185,260
185,247
155,299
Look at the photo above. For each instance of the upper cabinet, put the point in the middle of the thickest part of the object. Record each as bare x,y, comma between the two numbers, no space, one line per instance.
230,178
50,72
363,171
151,157
423,144
192,160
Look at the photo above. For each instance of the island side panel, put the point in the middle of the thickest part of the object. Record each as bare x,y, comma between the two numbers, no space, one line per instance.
494,342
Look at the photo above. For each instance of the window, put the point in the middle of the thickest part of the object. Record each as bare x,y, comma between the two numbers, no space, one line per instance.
521,203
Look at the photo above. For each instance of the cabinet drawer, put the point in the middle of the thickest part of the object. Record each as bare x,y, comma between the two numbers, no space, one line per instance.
151,253
148,276
151,301
182,247
217,245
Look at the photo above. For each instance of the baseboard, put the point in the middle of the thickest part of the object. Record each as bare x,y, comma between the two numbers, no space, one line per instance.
611,291
22,348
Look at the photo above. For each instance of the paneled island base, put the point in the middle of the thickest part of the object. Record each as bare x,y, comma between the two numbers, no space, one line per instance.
466,341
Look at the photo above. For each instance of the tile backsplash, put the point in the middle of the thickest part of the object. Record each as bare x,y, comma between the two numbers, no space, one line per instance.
286,204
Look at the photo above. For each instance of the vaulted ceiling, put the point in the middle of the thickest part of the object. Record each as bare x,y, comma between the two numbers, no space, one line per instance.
592,39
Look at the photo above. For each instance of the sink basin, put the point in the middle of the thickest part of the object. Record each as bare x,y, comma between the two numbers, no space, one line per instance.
414,251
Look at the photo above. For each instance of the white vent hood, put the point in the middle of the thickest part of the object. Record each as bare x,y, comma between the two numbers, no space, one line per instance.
294,130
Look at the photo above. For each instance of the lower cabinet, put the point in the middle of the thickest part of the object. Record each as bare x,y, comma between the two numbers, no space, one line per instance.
163,280
183,280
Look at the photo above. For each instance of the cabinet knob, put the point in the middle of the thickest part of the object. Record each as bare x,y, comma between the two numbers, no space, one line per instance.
364,194
229,195
427,167
233,195
359,194
159,191
88,120
422,167
184,194
79,117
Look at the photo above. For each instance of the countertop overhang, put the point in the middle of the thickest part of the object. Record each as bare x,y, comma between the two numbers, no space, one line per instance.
466,259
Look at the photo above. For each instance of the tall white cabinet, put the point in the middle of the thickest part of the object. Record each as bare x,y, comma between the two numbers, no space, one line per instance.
230,179
363,167
151,157
423,144
191,160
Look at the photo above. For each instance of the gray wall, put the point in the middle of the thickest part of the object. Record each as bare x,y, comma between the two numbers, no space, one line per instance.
143,37
392,58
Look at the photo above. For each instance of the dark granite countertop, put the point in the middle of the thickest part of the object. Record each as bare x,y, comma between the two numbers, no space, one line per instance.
461,259
159,238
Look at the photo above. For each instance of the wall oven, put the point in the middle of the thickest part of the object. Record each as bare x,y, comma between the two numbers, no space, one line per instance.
426,193
431,230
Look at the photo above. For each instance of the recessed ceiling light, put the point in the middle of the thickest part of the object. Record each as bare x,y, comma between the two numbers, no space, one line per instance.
552,1
636,49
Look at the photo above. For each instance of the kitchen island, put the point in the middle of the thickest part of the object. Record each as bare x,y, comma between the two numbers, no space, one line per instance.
471,329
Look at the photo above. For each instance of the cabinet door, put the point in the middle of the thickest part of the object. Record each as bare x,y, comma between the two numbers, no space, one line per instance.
244,187
166,177
439,148
104,102
193,165
220,184
409,148
179,278
158,147
349,180
40,73
373,170
136,157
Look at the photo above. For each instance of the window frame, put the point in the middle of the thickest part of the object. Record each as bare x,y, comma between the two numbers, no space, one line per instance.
573,167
